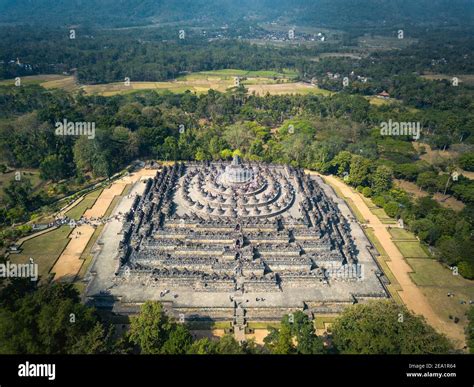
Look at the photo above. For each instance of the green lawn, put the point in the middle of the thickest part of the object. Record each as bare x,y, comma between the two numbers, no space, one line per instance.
262,324
411,249
320,321
44,249
208,325
384,218
401,234
378,212
436,281
87,202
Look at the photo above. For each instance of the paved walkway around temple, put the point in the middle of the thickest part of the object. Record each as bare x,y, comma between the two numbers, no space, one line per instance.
69,263
411,294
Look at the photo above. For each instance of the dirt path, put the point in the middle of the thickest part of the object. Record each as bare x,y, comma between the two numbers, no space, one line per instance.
69,263
411,294
102,203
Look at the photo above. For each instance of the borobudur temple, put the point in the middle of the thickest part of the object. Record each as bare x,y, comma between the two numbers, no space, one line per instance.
234,241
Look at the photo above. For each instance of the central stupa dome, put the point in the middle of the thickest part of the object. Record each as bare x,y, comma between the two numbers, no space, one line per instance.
235,173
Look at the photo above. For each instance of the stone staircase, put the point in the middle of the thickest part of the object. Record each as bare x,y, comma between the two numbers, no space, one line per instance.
239,321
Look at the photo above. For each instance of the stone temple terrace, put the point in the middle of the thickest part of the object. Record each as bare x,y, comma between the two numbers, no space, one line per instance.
233,241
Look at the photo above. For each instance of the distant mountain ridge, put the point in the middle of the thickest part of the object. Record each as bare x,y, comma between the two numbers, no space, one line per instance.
331,13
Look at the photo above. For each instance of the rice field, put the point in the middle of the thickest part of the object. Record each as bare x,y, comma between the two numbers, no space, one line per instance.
259,82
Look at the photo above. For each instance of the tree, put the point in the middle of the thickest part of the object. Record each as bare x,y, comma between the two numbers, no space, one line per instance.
229,346
425,229
178,342
200,155
19,193
96,341
383,327
447,249
170,148
382,179
306,340
466,269
466,162
367,192
151,328
50,320
391,209
154,332
295,335
203,346
216,146
226,154
427,180
359,171
279,341
470,329
54,168
342,162
239,136
379,201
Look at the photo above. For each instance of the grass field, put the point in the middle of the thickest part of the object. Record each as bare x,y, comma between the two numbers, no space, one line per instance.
338,55
411,249
48,81
230,73
408,244
44,249
286,88
219,80
379,42
401,234
384,218
468,79
380,101
320,321
208,325
436,281
260,82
